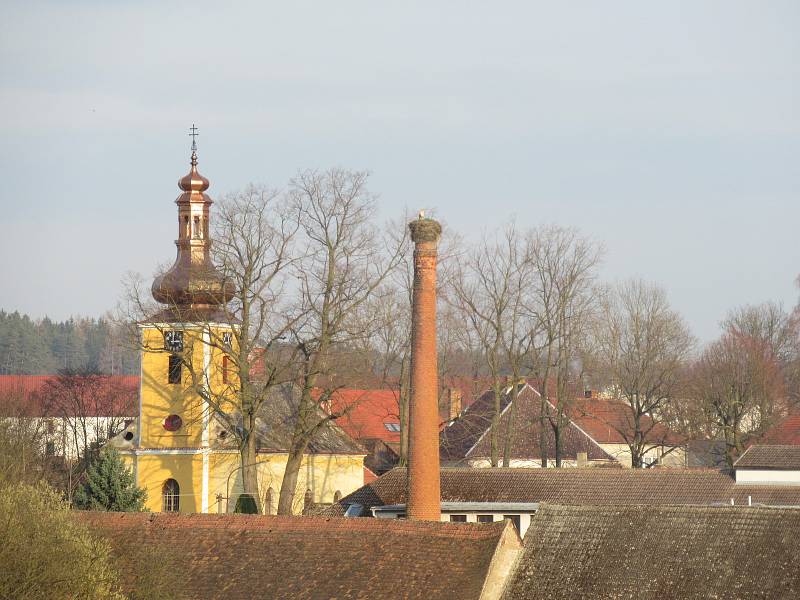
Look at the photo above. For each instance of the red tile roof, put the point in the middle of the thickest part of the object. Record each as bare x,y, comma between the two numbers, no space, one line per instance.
659,553
786,432
238,556
367,412
607,420
32,396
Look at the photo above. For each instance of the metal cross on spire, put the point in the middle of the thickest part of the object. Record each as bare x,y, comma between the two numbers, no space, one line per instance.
194,135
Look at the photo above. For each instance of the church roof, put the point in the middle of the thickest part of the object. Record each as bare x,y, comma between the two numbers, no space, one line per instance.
659,552
249,556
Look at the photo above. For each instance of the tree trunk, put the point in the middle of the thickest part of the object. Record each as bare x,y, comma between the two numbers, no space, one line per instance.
248,458
557,436
495,433
290,476
509,438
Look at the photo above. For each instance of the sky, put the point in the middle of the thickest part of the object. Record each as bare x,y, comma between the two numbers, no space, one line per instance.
669,132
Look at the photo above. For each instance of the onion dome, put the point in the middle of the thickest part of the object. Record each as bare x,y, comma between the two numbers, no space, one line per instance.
193,285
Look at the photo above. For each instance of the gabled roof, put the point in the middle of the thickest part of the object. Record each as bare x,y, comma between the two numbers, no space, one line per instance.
659,553
366,413
607,419
575,487
468,437
770,457
106,396
786,432
237,556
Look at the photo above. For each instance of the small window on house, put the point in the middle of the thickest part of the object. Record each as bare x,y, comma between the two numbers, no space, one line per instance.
485,518
458,518
225,366
171,496
395,427
174,374
514,519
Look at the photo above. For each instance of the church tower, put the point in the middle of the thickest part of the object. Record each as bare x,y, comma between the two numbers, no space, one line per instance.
184,346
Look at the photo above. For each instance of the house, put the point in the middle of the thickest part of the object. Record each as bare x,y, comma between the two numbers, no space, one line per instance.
467,440
304,558
786,432
609,422
659,553
69,414
372,418
769,465
475,495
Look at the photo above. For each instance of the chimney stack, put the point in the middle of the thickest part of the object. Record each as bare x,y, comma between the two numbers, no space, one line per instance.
424,495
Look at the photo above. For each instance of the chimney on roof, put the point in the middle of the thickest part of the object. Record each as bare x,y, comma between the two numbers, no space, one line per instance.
455,404
583,459
424,496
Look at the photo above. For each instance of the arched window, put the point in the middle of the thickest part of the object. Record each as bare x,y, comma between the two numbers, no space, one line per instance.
171,496
337,495
268,502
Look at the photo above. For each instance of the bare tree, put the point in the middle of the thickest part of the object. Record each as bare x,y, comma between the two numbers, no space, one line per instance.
346,262
771,324
739,387
640,347
561,299
488,291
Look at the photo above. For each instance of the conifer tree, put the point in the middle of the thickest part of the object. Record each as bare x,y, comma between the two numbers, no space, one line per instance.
109,486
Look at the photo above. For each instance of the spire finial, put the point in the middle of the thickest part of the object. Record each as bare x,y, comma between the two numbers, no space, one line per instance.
194,134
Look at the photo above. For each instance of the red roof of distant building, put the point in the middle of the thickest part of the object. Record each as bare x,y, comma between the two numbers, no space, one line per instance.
604,420
31,396
786,432
368,414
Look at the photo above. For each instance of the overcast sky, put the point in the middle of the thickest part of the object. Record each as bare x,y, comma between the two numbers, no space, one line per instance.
668,131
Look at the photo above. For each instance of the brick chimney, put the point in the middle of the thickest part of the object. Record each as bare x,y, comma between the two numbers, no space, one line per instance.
454,404
424,495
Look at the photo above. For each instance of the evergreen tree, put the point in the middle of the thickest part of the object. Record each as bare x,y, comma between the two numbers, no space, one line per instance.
109,486
246,504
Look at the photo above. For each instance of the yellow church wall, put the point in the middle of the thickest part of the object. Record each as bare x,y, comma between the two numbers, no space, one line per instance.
160,399
324,474
153,470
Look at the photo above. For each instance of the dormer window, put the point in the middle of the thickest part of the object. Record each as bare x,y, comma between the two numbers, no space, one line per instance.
393,427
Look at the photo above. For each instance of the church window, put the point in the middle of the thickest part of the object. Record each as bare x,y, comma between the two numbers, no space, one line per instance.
171,496
225,366
173,423
174,375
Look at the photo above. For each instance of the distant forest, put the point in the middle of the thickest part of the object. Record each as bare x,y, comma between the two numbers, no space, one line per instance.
43,346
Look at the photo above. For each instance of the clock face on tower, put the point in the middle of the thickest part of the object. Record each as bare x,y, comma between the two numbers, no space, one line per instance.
173,341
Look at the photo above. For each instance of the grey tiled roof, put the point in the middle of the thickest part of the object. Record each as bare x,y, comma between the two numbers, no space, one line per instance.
659,553
770,457
576,487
